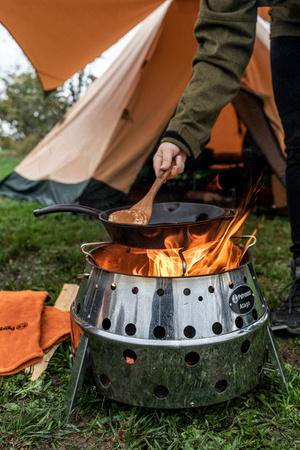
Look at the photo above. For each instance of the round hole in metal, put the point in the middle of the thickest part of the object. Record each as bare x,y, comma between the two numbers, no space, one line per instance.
231,285
104,381
129,356
78,308
189,332
200,298
160,292
159,332
221,386
192,358
211,289
161,392
245,346
135,290
254,314
217,328
113,286
239,322
186,291
106,324
130,329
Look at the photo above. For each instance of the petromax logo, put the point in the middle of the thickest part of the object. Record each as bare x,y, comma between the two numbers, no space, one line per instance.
21,326
241,300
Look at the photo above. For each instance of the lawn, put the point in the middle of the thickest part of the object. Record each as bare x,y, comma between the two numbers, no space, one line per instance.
7,163
43,254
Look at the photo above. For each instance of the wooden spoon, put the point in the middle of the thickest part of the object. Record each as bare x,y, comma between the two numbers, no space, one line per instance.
141,212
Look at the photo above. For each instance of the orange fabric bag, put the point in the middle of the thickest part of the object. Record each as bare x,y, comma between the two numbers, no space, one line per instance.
55,327
27,328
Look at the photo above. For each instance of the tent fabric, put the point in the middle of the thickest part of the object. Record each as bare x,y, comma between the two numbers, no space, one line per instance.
110,131
75,148
60,37
47,192
106,137
92,193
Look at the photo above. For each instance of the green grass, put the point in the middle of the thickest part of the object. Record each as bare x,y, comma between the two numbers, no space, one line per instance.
43,254
8,163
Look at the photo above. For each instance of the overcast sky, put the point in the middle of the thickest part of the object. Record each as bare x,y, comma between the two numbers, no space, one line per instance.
11,55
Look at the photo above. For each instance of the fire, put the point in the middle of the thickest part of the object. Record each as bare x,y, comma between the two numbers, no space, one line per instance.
201,256
129,360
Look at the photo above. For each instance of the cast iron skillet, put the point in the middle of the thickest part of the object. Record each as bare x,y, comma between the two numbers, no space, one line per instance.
175,219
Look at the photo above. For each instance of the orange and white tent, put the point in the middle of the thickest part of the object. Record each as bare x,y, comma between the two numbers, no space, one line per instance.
106,137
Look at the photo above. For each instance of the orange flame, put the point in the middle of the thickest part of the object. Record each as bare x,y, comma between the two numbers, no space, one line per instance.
201,256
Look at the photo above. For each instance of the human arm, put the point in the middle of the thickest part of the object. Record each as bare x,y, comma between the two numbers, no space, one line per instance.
225,32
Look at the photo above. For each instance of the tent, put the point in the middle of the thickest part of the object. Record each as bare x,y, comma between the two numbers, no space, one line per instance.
60,37
95,154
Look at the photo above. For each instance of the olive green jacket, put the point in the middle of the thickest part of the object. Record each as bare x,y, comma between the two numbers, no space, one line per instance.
225,31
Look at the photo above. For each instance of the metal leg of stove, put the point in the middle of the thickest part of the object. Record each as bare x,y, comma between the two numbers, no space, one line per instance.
275,362
77,375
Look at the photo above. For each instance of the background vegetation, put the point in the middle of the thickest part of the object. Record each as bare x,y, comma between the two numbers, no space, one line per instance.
43,254
27,114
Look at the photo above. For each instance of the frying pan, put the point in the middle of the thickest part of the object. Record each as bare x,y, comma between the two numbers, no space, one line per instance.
175,219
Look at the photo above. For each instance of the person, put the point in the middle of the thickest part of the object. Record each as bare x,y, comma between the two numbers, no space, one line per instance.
225,31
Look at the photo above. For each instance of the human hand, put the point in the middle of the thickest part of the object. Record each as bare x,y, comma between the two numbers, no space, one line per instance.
162,160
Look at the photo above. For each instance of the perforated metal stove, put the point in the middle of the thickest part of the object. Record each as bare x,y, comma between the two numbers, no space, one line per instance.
171,342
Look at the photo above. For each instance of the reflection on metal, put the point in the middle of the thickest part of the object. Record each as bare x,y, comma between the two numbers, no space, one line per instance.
180,252
276,365
91,244
83,275
250,237
176,342
77,375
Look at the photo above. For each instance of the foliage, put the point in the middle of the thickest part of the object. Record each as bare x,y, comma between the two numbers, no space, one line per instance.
44,253
28,114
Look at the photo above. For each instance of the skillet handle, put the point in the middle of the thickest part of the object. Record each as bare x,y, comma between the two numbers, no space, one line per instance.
67,208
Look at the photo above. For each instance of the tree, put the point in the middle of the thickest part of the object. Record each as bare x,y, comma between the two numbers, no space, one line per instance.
27,114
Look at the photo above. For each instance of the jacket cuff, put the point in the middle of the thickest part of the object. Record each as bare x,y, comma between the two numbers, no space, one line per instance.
174,138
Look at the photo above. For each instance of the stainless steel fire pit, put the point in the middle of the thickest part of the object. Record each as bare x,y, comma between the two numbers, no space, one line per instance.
171,342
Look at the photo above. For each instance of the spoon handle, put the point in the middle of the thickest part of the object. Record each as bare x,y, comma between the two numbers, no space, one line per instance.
149,197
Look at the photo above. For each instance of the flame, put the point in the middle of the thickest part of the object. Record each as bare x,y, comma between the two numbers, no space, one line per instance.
202,256
129,360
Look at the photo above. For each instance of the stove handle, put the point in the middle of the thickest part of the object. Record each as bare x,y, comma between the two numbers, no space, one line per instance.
248,243
83,275
92,244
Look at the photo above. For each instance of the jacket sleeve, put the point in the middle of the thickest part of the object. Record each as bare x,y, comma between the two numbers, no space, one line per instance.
225,31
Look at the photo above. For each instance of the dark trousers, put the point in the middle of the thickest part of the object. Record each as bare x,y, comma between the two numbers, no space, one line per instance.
285,62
